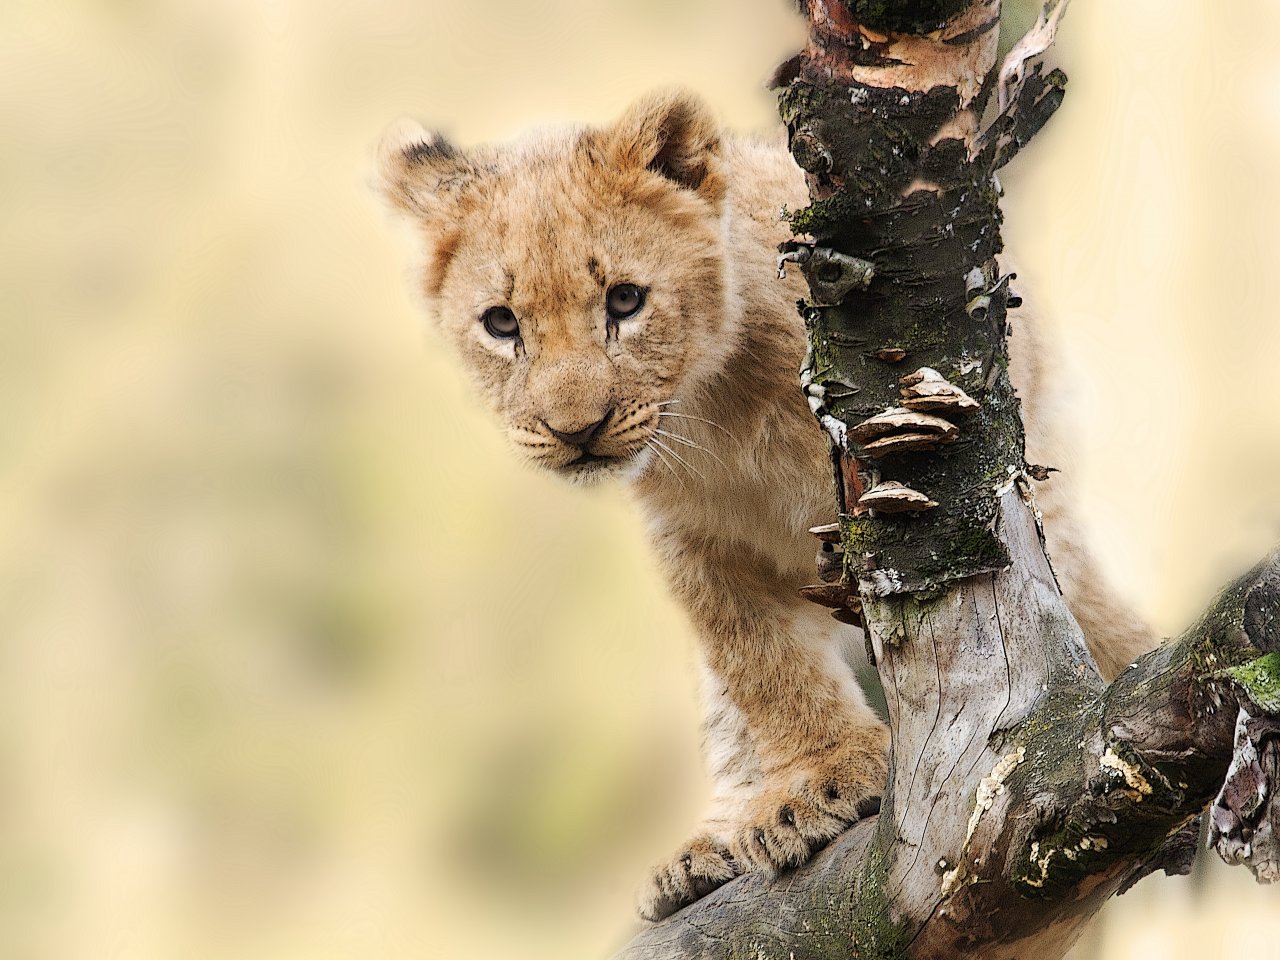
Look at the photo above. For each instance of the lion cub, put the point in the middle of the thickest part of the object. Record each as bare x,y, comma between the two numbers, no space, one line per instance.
613,293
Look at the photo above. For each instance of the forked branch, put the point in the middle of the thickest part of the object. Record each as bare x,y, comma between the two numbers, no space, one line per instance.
1024,792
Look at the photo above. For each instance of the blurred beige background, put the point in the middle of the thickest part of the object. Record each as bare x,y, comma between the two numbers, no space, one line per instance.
294,661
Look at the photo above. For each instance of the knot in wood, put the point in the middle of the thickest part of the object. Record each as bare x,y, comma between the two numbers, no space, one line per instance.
833,275
811,154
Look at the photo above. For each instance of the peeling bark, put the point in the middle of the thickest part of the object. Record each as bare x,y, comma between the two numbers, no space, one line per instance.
1011,826
1023,791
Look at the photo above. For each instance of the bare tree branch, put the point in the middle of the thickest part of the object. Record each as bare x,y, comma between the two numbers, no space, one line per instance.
1024,792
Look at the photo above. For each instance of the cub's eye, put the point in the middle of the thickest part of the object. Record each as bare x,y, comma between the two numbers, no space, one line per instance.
501,323
624,300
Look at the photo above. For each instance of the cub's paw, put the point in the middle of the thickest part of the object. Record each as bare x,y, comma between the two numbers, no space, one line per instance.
696,869
813,802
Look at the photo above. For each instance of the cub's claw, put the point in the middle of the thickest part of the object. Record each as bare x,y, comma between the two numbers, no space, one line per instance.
697,868
824,796
788,834
804,805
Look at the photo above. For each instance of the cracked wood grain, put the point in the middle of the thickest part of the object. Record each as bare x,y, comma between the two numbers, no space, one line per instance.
1023,792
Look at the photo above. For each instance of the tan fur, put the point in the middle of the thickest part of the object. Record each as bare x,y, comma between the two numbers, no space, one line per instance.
706,422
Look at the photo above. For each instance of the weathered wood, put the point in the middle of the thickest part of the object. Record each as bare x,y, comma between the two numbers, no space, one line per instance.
884,126
1034,797
1023,792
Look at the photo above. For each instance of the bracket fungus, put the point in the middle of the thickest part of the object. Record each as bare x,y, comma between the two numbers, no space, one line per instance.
891,354
840,598
929,391
827,594
898,430
827,532
890,496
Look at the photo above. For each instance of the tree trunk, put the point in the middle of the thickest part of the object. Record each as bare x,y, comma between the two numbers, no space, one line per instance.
1024,792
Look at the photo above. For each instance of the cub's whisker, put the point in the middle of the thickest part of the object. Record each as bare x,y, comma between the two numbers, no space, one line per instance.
689,443
676,437
689,416
662,458
679,459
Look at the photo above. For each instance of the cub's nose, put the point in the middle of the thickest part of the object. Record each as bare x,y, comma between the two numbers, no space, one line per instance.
580,438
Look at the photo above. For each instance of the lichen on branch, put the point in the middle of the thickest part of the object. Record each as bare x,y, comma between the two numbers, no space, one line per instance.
1023,792
888,154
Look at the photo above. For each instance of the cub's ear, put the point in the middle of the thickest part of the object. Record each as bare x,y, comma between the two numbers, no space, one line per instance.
672,133
427,178
420,173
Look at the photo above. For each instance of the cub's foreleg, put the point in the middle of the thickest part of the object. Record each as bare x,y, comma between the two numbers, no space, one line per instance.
707,860
796,753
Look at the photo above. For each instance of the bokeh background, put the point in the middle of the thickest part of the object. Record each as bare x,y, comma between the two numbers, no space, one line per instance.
295,662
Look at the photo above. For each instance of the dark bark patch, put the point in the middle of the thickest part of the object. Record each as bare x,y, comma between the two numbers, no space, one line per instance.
905,16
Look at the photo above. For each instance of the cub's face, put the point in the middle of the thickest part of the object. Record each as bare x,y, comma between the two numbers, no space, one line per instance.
580,276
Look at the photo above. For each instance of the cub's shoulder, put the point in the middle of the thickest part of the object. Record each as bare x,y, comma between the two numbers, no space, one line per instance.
762,176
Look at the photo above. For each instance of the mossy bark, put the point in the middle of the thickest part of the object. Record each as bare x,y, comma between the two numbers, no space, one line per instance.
1023,792
1070,795
1154,749
895,186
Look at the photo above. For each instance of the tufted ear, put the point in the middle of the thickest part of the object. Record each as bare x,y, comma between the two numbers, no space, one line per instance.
421,173
426,177
672,133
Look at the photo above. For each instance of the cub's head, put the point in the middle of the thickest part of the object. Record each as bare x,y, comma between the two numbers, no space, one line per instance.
580,275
